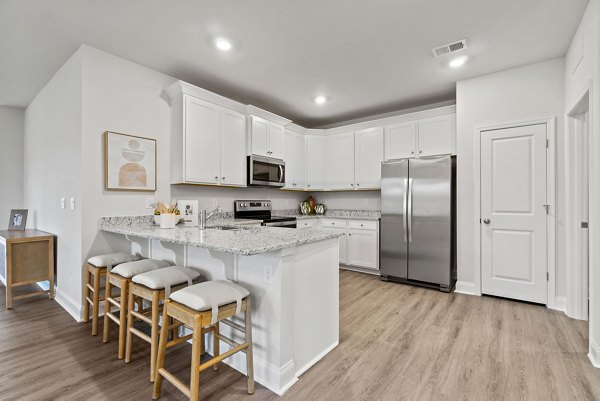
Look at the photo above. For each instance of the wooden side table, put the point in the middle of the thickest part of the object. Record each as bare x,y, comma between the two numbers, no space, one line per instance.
26,257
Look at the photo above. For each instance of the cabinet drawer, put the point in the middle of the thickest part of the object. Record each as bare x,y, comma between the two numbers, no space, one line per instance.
306,223
339,223
362,225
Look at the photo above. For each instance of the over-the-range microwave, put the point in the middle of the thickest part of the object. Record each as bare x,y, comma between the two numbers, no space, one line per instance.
265,172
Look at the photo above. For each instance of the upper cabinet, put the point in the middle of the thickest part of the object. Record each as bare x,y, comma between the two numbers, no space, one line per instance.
233,148
426,137
295,160
315,162
266,137
368,157
339,161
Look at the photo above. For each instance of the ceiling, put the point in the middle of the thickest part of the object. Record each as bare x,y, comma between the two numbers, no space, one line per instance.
369,57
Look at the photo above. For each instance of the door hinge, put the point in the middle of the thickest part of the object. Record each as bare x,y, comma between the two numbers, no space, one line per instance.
547,276
584,224
547,143
547,207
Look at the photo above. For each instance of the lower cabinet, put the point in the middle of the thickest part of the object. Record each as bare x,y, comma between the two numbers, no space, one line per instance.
307,223
359,246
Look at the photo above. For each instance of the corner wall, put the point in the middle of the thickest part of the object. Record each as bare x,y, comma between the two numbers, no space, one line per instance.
12,132
526,93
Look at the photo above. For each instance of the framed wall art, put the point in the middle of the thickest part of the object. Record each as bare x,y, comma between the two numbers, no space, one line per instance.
129,162
18,220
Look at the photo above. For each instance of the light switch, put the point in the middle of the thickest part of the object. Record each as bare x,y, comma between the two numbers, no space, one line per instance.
63,203
72,203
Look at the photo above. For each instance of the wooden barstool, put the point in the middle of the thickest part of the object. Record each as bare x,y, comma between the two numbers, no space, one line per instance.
154,286
96,268
201,307
120,277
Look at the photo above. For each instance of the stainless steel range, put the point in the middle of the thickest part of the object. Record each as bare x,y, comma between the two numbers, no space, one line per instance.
261,210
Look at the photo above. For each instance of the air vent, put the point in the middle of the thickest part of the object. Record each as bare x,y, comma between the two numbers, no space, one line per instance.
450,48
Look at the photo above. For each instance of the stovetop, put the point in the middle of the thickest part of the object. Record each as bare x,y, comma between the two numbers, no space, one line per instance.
257,210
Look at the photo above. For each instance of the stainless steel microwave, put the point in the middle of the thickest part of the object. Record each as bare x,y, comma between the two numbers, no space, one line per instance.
265,172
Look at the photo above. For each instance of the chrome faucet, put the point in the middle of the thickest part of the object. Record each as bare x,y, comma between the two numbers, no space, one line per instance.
204,217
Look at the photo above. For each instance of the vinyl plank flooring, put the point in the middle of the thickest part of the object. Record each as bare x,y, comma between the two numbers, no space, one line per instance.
397,342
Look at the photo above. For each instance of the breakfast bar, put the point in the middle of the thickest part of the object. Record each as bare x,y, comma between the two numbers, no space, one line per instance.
292,276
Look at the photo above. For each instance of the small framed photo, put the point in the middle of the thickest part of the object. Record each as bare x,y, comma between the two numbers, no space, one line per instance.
129,162
18,220
188,210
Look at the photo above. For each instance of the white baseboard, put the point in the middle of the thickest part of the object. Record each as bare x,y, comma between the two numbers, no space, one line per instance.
316,359
560,304
69,305
594,354
464,287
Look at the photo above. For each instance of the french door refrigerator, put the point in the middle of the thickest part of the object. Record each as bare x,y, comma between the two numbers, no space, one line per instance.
418,221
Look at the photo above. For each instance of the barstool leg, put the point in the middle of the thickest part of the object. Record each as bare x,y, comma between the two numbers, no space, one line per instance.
86,306
107,309
154,334
162,348
96,302
195,371
249,352
216,348
122,318
130,321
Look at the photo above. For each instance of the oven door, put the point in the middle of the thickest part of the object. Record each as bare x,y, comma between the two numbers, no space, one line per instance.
265,172
284,224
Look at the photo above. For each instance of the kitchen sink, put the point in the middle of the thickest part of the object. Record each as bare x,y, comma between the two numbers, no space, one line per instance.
226,228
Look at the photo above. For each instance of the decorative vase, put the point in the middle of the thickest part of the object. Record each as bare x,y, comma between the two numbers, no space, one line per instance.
305,207
311,202
168,220
157,219
320,209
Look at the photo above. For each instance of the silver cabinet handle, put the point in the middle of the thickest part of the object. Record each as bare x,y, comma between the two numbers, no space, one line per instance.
405,209
216,177
409,208
487,221
223,178
357,184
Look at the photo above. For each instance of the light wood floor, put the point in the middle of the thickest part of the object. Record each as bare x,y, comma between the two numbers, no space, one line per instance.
397,343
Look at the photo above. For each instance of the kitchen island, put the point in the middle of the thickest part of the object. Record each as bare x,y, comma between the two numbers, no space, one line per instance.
292,276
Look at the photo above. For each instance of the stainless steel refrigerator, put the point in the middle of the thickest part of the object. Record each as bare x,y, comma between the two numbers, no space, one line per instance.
418,221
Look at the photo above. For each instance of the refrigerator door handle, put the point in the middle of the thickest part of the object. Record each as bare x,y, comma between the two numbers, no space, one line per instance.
404,210
409,209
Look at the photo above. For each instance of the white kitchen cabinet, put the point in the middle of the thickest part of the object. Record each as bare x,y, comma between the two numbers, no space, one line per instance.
339,162
315,162
233,148
368,158
401,141
437,135
363,248
339,226
294,155
267,138
202,141
307,223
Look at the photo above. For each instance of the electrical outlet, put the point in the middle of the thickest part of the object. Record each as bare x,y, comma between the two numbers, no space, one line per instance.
63,203
215,202
149,203
268,274
72,203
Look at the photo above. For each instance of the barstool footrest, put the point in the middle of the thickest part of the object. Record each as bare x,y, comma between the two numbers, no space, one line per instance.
141,334
230,342
112,317
174,381
234,325
142,317
219,358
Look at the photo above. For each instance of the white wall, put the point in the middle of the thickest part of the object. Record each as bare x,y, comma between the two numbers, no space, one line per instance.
361,200
11,161
577,81
531,92
52,170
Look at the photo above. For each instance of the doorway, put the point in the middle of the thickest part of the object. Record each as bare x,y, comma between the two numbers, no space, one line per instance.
578,141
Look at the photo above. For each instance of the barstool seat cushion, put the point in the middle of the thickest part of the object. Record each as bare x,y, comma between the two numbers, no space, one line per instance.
210,295
131,269
166,277
112,259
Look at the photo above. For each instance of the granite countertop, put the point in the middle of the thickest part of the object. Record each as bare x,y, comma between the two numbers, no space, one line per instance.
248,240
333,214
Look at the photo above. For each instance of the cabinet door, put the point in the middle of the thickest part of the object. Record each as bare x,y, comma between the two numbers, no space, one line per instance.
437,135
275,141
315,149
202,141
342,243
260,136
300,169
363,248
339,161
289,156
368,158
233,148
401,141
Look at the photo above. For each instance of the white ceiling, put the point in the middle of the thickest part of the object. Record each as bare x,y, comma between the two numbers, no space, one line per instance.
370,57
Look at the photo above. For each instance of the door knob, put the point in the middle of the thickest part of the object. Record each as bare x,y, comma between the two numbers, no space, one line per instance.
487,221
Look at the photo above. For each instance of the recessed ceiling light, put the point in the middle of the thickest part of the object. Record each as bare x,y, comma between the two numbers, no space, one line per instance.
457,62
223,44
321,99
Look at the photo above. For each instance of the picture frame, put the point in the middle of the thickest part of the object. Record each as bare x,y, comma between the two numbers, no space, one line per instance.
129,162
18,220
189,212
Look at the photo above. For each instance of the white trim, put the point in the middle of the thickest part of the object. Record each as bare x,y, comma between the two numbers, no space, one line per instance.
316,359
594,354
550,199
68,304
464,287
560,304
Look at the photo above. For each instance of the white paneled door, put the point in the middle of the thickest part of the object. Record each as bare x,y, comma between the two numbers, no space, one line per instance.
513,213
